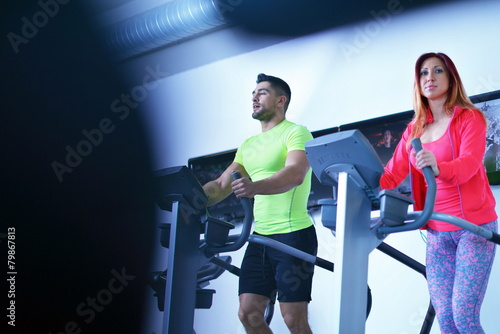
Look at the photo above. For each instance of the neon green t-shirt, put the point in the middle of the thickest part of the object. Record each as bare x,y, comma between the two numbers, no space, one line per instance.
262,156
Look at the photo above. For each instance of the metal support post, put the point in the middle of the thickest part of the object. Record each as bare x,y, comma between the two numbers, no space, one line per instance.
182,268
354,243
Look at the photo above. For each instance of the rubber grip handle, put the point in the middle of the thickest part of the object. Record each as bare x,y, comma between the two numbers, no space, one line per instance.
495,238
430,199
417,144
245,230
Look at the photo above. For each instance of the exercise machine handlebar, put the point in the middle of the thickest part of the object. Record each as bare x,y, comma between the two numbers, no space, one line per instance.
476,229
421,218
430,199
247,226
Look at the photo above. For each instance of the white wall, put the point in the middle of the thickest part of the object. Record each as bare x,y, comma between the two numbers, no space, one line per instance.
339,76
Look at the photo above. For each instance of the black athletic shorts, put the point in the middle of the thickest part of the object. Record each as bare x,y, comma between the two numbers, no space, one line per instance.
269,272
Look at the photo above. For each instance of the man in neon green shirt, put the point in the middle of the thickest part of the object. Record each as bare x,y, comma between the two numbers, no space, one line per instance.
276,173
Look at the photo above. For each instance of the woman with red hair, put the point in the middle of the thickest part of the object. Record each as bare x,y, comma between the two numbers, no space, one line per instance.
453,135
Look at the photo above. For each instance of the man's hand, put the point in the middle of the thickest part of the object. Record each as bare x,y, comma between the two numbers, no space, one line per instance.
244,187
219,189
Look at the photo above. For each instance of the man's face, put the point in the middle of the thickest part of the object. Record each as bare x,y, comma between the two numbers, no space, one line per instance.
387,136
265,101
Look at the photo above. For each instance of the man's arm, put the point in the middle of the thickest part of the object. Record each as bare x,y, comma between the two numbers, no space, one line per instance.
290,176
219,189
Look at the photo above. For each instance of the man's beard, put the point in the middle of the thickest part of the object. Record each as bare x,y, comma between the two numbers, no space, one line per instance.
263,114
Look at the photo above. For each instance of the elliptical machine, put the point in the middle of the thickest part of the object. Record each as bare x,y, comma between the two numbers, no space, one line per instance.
346,160
192,261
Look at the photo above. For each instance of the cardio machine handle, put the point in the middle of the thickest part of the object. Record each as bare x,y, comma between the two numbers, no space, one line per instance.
430,199
247,225
422,217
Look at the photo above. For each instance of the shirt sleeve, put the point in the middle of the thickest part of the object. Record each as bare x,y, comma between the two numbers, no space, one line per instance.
239,156
297,138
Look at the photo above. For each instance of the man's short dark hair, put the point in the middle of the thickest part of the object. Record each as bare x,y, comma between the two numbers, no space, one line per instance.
279,85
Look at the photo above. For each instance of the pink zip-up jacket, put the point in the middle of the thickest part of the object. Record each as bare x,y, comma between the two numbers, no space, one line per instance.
467,136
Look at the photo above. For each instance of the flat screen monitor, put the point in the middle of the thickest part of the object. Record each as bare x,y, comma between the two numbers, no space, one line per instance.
210,167
489,103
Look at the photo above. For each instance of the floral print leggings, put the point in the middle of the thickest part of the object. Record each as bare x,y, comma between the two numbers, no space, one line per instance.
458,268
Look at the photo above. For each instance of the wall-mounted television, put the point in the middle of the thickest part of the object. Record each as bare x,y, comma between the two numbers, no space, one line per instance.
489,103
210,167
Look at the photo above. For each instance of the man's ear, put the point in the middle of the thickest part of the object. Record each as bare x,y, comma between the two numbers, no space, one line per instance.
282,101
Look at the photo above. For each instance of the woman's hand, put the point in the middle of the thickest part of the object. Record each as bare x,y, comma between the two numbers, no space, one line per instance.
427,159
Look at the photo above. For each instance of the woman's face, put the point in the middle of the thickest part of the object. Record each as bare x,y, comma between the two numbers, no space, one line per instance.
434,79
